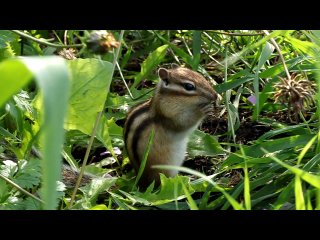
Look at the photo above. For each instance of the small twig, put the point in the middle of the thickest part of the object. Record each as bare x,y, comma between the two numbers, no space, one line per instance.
93,134
22,34
65,37
280,54
20,189
124,81
236,34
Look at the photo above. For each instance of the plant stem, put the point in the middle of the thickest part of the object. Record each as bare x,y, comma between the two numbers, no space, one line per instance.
124,81
93,134
280,54
22,34
20,189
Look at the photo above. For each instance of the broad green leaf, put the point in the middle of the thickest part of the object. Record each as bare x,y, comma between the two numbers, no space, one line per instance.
232,201
32,204
92,190
203,144
14,76
152,61
29,173
166,193
134,199
91,79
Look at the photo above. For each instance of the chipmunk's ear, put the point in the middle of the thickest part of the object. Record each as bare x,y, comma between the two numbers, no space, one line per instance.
174,65
163,74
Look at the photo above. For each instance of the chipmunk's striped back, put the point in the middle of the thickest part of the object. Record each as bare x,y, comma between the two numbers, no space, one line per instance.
181,100
138,120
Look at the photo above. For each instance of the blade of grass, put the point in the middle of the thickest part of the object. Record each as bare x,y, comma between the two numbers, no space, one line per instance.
308,177
300,204
145,157
317,199
309,204
306,148
247,198
284,196
51,74
191,202
196,48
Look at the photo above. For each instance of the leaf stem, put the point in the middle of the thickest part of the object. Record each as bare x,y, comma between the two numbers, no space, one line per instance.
44,42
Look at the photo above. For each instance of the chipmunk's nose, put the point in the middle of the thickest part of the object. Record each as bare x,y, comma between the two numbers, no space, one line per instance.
213,95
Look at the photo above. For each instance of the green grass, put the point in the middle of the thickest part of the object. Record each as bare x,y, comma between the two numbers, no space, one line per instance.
49,105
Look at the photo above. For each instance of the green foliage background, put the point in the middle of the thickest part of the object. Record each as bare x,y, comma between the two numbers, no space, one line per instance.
49,105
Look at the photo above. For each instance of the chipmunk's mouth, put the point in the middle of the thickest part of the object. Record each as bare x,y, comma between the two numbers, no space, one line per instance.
207,108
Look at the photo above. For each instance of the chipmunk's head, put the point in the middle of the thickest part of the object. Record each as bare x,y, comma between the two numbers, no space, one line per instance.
184,94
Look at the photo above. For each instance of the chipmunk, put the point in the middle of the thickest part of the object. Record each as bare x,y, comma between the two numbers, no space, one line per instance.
181,100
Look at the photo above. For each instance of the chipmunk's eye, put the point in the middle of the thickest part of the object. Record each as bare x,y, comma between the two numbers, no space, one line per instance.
189,86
